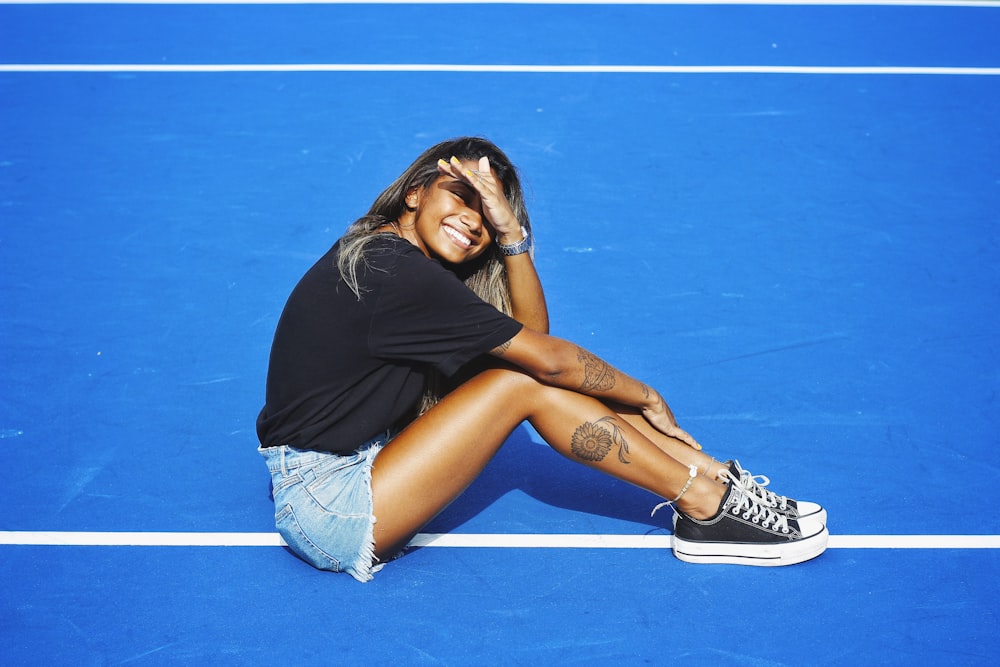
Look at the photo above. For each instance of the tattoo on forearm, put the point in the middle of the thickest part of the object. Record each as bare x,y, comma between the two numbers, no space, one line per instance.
645,390
598,375
592,441
501,349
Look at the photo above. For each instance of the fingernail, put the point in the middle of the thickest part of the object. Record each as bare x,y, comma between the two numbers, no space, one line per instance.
442,162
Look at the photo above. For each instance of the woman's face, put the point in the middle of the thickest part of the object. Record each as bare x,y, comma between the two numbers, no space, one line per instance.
448,220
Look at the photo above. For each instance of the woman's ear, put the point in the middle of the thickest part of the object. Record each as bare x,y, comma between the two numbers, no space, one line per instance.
412,199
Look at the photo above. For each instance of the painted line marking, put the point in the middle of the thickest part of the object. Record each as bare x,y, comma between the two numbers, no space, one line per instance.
466,540
517,69
762,3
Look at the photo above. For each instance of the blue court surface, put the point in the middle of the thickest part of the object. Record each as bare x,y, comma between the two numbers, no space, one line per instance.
785,217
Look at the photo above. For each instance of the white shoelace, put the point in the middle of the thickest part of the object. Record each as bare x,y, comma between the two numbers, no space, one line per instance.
752,507
756,483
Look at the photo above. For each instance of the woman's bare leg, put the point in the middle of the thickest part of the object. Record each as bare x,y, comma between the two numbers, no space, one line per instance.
677,449
430,463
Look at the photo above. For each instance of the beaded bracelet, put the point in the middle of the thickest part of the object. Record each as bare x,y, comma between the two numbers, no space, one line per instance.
693,470
692,473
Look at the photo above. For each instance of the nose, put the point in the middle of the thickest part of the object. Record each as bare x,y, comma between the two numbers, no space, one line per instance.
472,219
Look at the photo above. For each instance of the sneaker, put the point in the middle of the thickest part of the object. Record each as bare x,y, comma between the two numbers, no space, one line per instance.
795,509
746,531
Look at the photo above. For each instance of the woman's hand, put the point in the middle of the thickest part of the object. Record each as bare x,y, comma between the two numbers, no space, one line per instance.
496,210
662,419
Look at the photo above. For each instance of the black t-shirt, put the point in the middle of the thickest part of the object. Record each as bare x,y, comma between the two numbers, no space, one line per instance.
343,370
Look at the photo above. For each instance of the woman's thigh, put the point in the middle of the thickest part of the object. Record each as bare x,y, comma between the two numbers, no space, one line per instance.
436,457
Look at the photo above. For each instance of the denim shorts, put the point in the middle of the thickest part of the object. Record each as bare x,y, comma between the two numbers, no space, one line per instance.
323,506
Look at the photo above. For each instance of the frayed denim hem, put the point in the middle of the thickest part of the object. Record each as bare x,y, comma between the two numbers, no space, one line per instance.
324,506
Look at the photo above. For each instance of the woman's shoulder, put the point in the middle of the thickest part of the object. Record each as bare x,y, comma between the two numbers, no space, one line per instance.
387,242
398,265
391,262
384,251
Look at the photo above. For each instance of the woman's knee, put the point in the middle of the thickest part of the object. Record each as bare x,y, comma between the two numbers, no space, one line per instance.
508,382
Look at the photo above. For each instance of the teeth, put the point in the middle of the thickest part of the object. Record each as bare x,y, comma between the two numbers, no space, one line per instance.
457,236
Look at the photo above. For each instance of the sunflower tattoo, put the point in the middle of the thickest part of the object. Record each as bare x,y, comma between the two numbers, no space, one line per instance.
592,441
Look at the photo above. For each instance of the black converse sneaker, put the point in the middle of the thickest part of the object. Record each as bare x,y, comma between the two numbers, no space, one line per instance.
746,531
795,509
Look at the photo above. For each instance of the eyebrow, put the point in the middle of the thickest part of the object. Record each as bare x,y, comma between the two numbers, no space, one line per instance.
460,183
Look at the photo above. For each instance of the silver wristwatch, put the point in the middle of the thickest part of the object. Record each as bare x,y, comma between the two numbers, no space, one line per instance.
522,246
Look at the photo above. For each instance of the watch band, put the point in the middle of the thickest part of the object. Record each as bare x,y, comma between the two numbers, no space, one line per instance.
522,246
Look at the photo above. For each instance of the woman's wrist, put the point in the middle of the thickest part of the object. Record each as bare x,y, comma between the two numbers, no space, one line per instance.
512,235
514,244
655,403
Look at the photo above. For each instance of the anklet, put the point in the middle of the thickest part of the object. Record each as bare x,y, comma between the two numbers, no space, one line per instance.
709,466
693,471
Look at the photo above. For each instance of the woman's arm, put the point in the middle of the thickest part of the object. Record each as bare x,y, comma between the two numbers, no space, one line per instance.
560,363
527,300
526,295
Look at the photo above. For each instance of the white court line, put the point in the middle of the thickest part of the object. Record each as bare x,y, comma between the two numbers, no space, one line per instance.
517,69
469,540
764,3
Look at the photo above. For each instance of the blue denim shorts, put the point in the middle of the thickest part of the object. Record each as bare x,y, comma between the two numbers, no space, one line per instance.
323,506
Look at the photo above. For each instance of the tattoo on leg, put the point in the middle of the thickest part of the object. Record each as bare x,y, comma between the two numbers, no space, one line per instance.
592,441
501,349
598,375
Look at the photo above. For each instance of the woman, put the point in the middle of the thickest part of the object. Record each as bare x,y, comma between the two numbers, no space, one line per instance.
408,354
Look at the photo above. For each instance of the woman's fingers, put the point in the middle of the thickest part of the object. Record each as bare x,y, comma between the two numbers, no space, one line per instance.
663,420
482,171
495,206
684,436
480,178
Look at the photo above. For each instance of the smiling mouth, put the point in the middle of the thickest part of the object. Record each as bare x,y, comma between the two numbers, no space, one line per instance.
458,237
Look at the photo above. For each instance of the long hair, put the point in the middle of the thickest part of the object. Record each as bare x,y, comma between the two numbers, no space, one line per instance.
486,275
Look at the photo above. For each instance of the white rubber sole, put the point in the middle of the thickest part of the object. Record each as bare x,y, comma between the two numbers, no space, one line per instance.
761,555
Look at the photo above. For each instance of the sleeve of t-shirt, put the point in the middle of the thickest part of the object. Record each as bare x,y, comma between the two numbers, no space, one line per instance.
425,314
